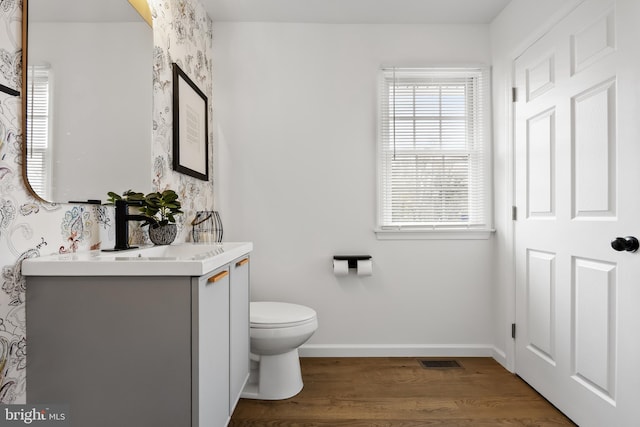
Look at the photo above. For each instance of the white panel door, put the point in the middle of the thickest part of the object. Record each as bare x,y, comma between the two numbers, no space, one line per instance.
577,151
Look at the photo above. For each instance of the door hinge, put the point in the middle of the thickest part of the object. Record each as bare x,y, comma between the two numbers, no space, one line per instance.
513,331
514,213
514,94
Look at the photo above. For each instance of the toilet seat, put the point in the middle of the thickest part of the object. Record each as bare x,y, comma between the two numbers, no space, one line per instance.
272,315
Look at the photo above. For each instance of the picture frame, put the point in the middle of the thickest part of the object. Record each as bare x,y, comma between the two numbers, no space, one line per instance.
190,127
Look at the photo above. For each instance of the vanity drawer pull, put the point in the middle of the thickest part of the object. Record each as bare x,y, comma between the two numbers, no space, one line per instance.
218,276
242,262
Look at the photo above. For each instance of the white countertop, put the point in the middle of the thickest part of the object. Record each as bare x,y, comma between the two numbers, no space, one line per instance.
184,259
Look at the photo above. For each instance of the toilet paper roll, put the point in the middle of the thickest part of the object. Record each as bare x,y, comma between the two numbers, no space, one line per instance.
365,267
340,267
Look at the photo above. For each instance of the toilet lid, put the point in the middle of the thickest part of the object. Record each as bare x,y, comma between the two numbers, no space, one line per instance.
279,314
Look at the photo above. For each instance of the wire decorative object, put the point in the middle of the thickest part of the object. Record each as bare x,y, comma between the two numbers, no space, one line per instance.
207,227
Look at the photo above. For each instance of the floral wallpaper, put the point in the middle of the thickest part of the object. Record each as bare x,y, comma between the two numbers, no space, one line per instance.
30,227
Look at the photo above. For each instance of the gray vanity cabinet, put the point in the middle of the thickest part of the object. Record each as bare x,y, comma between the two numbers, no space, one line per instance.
139,350
239,339
210,346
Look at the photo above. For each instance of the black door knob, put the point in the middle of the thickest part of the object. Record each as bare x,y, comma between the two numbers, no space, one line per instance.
629,244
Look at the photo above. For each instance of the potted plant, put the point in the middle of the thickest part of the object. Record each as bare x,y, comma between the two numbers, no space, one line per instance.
158,211
161,208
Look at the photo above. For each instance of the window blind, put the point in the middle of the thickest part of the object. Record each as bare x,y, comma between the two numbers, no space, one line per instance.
432,148
38,133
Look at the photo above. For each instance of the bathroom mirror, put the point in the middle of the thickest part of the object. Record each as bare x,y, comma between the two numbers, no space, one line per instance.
88,94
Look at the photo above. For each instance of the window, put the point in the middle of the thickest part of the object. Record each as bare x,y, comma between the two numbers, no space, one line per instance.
432,151
38,132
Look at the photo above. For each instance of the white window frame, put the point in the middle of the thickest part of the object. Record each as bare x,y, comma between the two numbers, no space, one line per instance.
473,228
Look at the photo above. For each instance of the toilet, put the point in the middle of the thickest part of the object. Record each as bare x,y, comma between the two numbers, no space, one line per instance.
277,329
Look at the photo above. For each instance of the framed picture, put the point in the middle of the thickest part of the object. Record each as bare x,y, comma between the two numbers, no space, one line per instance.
190,127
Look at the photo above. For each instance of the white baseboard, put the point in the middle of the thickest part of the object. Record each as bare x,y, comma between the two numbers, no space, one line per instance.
500,357
398,350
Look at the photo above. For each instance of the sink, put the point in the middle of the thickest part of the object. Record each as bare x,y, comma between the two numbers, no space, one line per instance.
184,259
183,251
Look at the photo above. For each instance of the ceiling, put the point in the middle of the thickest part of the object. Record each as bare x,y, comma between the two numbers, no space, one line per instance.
357,11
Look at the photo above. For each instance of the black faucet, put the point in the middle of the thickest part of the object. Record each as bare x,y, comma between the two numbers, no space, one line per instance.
122,223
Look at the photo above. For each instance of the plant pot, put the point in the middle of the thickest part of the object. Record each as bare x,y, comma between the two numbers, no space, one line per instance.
163,234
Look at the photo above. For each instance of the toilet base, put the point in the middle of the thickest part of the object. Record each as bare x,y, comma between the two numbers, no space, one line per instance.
274,377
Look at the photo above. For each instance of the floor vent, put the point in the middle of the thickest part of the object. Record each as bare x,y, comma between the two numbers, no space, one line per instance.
440,364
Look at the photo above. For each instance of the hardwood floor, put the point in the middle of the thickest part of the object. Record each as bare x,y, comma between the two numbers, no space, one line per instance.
386,392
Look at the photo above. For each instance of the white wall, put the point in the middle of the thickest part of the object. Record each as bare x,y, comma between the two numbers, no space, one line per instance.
295,114
518,26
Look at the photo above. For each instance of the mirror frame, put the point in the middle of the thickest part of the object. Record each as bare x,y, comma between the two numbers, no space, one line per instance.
143,8
25,48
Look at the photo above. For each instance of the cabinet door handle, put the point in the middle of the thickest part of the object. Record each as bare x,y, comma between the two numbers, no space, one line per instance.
218,276
242,262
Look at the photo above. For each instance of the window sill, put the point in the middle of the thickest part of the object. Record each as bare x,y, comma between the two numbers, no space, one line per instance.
434,234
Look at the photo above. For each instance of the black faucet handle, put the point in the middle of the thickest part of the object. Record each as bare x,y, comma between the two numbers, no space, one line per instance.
123,202
122,218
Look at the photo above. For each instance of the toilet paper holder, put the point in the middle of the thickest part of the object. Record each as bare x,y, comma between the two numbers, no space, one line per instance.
352,260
